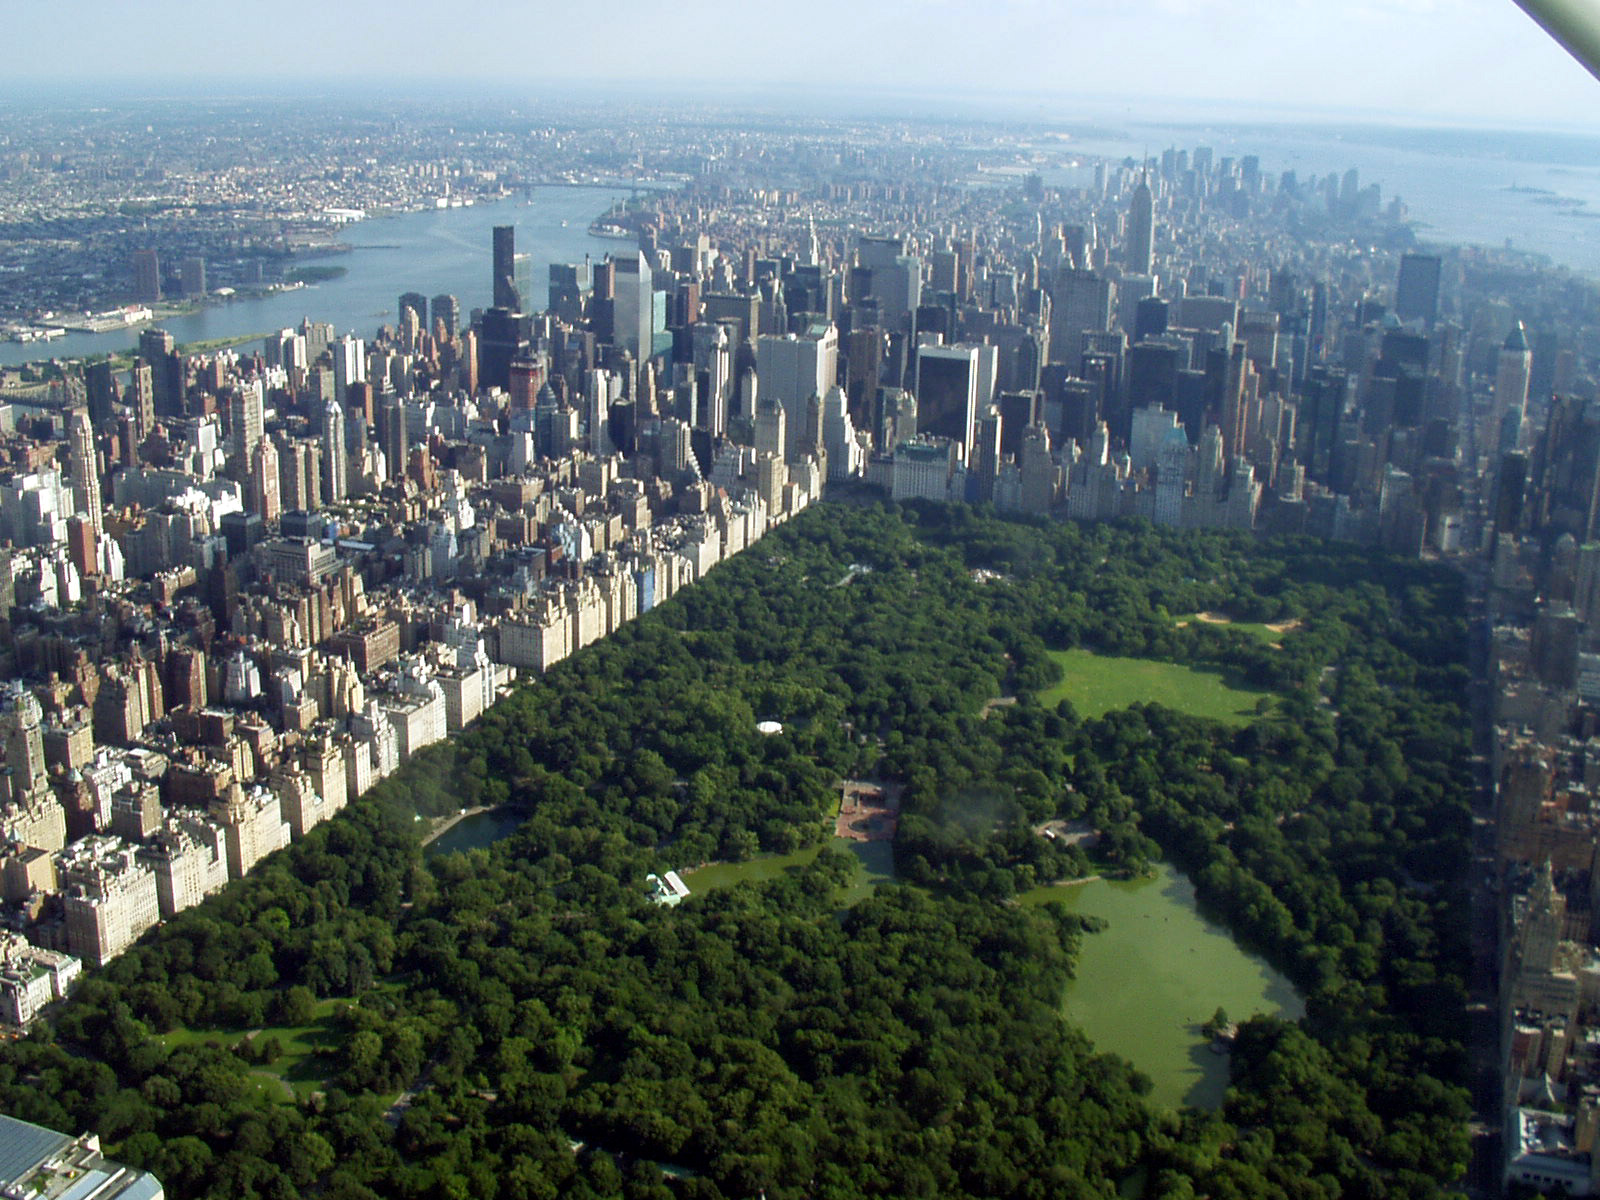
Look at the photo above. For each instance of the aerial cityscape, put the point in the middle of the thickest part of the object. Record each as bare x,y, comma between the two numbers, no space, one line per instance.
694,644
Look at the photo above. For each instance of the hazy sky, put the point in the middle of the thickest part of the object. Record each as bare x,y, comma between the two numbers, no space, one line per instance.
1470,60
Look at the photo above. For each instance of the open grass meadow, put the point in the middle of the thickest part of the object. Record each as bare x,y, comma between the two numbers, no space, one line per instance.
1097,684
302,1064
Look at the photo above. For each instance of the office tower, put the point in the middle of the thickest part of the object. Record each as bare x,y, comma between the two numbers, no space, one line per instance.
349,363
985,458
287,349
1139,253
633,305
146,276
335,482
102,393
417,303
526,377
391,431
599,395
245,420
318,335
157,347
946,388
505,269
264,481
1511,386
85,470
793,368
504,336
446,315
1150,318
1081,302
571,288
1510,487
1416,294
713,369
142,398
865,351
845,459
744,311
673,451
772,429
193,275
23,724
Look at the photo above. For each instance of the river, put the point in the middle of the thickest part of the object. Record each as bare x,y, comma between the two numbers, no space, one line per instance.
433,252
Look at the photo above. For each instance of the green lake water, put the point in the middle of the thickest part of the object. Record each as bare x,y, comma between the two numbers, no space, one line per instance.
479,831
1148,981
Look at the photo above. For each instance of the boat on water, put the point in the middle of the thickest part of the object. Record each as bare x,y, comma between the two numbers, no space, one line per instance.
606,229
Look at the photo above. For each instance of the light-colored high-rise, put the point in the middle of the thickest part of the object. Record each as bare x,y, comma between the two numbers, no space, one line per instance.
245,420
264,481
1511,378
85,475
793,368
335,463
633,305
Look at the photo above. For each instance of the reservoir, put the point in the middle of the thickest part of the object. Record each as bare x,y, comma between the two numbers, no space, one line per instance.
436,251
1148,981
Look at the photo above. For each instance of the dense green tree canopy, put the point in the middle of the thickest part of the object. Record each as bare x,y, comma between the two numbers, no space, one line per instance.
522,1021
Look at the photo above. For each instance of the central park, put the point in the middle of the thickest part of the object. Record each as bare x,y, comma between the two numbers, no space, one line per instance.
1264,739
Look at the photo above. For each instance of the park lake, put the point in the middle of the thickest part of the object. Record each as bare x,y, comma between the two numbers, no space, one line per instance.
1145,984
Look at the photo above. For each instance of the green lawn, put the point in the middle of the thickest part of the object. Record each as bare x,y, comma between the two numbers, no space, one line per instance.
1097,684
300,1070
1254,628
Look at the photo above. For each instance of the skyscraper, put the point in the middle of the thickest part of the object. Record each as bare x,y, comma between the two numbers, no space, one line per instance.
264,481
391,431
1416,293
245,420
1511,386
194,277
505,269
1081,301
335,467
417,303
349,363
85,471
946,388
100,386
793,368
158,348
141,393
633,306
146,276
1139,255
447,312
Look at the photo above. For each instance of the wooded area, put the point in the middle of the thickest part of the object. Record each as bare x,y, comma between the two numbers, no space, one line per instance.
565,1037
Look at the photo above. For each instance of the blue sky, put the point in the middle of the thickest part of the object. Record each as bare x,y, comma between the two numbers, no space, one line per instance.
1441,60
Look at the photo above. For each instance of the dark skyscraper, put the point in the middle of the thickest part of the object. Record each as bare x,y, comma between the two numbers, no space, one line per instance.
505,269
1139,256
146,276
447,312
417,303
103,393
1416,295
